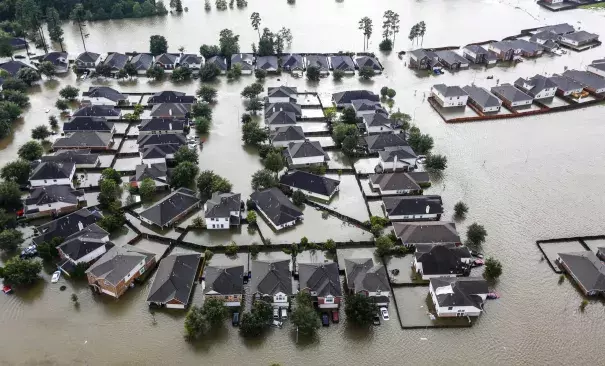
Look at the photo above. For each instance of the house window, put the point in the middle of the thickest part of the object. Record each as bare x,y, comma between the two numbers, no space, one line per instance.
329,300
226,297
142,270
450,308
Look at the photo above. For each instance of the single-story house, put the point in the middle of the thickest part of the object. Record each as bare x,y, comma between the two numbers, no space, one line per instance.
89,124
391,184
13,66
161,139
85,140
343,63
267,63
219,62
380,123
167,61
66,225
512,96
283,107
293,63
455,297
397,158
158,172
225,283
223,210
322,282
429,232
163,125
282,94
438,260
171,96
116,61
477,54
153,154
275,206
58,59
171,209
319,61
283,136
452,60
52,174
245,61
449,96
174,281
560,29
18,43
368,61
482,99
586,269
538,86
52,201
170,110
413,208
579,39
87,61
305,153
566,86
281,119
107,111
191,61
142,62
366,106
597,67
379,142
344,99
82,158
312,185
113,273
362,276
272,281
589,81
103,95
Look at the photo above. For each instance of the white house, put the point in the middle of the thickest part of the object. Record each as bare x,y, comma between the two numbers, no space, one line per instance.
456,297
539,87
401,158
272,281
380,123
222,211
449,96
299,154
311,185
282,94
53,174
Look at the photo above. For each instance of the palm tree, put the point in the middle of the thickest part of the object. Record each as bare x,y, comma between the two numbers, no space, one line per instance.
422,30
255,18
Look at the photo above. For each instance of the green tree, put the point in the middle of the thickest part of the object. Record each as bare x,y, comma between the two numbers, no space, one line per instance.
391,93
255,19
181,74
385,45
14,84
253,134
231,249
420,143
10,240
402,118
384,91
384,246
266,44
196,323
229,43
348,115
493,269
330,246
70,93
31,150
251,217
10,195
7,220
40,132
147,189
252,91
157,45
260,74
422,31
121,74
20,272
202,125
62,105
201,109
298,197
47,69
209,72
251,325
115,219
436,162
460,210
111,174
365,25
131,70
304,317
155,72
215,311
209,51
475,235
186,154
330,114
340,131
254,105
28,75
184,174
103,70
53,22
350,145
53,121
274,162
16,171
263,179
338,75
207,94
6,50
48,250
110,192
208,182
366,73
79,16
19,98
360,309
313,73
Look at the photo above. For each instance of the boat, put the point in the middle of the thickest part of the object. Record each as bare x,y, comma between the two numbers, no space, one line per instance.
493,295
490,77
55,277
7,289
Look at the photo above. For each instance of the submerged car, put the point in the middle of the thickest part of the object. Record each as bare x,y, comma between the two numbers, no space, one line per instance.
385,313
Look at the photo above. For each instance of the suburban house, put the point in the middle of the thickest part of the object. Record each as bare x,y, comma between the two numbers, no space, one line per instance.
191,61
511,96
167,61
170,209
106,111
311,185
579,40
380,123
225,283
449,96
589,81
163,125
223,210
103,95
438,260
344,99
423,179
87,61
379,142
83,248
13,66
559,29
412,208
283,136
538,86
142,62
429,232
89,124
366,106
391,184
283,107
276,208
267,63
170,96
280,119
170,110
586,269
82,158
219,62
343,63
272,281
504,51
116,61
161,139
58,59
597,67
452,60
482,99
158,172
244,60
306,153
478,55
113,273
424,60
454,297
362,276
368,61
152,154
397,158
282,94
319,61
174,281
52,174
293,63
85,140
566,86
52,201
322,282
18,43
547,39
66,225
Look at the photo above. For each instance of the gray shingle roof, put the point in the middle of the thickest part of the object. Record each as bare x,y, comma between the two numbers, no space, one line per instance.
510,93
171,96
317,60
157,171
218,61
245,60
451,291
105,92
174,279
114,265
367,61
161,139
171,206
98,111
67,225
80,246
586,268
586,79
190,59
159,151
322,278
562,28
167,59
443,260
84,139
52,170
379,120
310,182
363,275
413,205
282,92
581,36
72,156
220,205
394,181
292,62
288,133
281,118
50,194
270,277
13,66
384,140
482,96
88,123
475,48
267,63
348,96
366,105
285,107
343,63
450,91
306,149
426,232
566,84
170,110
56,58
224,280
88,57
451,57
276,206
142,61
538,83
116,60
163,124
389,154
93,231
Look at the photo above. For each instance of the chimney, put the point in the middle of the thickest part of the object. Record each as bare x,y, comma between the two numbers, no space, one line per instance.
80,226
428,208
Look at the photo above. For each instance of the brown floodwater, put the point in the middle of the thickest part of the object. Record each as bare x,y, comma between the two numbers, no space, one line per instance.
524,179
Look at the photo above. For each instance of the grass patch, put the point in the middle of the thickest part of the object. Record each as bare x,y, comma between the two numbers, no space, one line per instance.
593,6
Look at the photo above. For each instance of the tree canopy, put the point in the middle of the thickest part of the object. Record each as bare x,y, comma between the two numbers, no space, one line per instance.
184,174
263,179
186,154
20,272
147,189
16,171
209,182
158,45
360,309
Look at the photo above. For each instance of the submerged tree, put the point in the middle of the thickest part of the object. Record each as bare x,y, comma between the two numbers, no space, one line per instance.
256,21
365,25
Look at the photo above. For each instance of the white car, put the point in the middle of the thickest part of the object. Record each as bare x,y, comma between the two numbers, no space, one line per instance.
385,313
55,277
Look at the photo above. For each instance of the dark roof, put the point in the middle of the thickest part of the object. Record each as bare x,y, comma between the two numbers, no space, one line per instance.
482,96
174,279
116,60
50,194
166,58
476,49
292,62
171,206
105,92
586,268
306,149
282,91
190,59
118,262
163,124
161,138
545,35
420,177
276,206
362,275
288,133
317,60
384,140
72,156
367,61
218,61
426,232
170,110
222,204
348,96
598,64
224,280
451,291
310,182
581,36
142,61
451,57
154,171
271,276
80,246
281,118
379,120
441,260
169,96
159,151
286,107
510,93
16,42
389,154
98,110
88,57
565,84
67,225
13,66
56,58
92,232
394,181
344,63
84,139
365,105
562,28
88,123
586,79
52,170
450,91
321,278
245,60
413,205
267,63
537,83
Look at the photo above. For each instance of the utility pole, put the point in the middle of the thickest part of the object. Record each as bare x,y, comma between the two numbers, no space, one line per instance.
82,35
